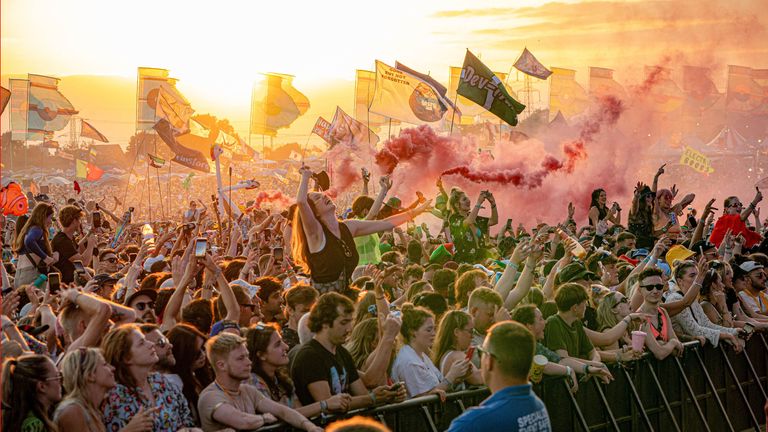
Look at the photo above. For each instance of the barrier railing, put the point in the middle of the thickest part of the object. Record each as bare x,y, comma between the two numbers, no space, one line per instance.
707,389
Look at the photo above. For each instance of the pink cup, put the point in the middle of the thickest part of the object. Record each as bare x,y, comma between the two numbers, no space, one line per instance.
638,340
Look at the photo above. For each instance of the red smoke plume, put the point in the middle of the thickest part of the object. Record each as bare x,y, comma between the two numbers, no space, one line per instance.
608,112
271,197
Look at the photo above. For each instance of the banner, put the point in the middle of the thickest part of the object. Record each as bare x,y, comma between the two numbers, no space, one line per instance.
483,87
5,97
405,97
441,89
275,104
664,95
322,129
700,92
528,64
88,131
49,110
565,94
19,108
760,76
174,107
743,94
365,87
696,160
184,156
602,84
350,133
147,94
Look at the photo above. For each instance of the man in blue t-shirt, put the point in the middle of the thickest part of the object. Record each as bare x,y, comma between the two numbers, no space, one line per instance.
506,357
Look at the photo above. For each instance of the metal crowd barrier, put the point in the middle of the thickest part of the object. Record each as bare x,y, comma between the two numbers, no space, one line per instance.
707,389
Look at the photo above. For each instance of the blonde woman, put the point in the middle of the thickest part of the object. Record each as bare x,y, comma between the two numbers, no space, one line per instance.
87,379
454,337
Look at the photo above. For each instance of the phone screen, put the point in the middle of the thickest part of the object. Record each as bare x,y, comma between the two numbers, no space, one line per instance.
201,245
277,254
79,268
54,282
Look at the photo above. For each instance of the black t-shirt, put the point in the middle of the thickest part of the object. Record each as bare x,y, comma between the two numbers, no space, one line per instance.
290,337
314,363
66,247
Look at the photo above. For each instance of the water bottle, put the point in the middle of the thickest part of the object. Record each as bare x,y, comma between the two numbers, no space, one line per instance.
40,281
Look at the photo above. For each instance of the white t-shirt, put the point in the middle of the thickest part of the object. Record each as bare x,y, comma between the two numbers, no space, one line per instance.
419,373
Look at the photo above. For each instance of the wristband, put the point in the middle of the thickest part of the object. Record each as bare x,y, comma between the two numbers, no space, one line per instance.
323,407
373,397
568,371
586,369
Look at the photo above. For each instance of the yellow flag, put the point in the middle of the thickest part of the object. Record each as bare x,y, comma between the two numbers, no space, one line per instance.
696,160
81,169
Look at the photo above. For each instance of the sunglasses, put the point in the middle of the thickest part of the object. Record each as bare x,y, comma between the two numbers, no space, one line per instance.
658,287
483,351
145,305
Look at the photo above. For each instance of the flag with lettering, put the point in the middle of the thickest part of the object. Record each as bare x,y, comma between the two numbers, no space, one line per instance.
480,85
186,156
697,160
322,129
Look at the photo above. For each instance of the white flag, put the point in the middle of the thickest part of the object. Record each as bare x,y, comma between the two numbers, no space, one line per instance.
405,97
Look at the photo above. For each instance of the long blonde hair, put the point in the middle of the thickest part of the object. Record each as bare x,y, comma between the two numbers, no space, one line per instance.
299,247
361,341
39,214
446,340
76,366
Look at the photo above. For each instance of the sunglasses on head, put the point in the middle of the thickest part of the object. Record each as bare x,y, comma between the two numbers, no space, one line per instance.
659,287
145,305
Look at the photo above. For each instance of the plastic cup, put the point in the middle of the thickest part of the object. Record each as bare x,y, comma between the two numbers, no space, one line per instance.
537,368
638,340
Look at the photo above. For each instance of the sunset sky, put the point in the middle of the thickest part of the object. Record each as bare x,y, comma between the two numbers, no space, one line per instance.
217,49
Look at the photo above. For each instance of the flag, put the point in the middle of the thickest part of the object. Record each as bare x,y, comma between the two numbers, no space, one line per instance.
5,97
81,169
155,161
147,94
351,133
49,110
187,183
275,104
365,86
602,84
467,108
483,87
743,94
400,95
173,106
88,171
76,186
441,89
565,94
322,129
88,131
696,160
92,152
19,108
186,156
760,76
94,172
529,65
700,92
664,95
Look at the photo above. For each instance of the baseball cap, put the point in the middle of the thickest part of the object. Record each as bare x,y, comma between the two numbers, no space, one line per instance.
222,325
573,272
152,294
638,253
395,203
749,266
678,253
102,278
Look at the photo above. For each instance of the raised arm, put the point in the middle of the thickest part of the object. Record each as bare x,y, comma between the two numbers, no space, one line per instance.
660,171
526,279
364,227
225,291
312,228
385,184
747,211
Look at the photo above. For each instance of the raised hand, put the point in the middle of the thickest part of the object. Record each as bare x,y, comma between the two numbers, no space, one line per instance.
660,171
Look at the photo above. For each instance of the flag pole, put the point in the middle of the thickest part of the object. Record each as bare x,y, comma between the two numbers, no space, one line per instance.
453,111
170,179
160,193
149,193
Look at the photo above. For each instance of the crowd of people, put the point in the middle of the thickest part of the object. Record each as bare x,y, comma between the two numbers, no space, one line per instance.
199,320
